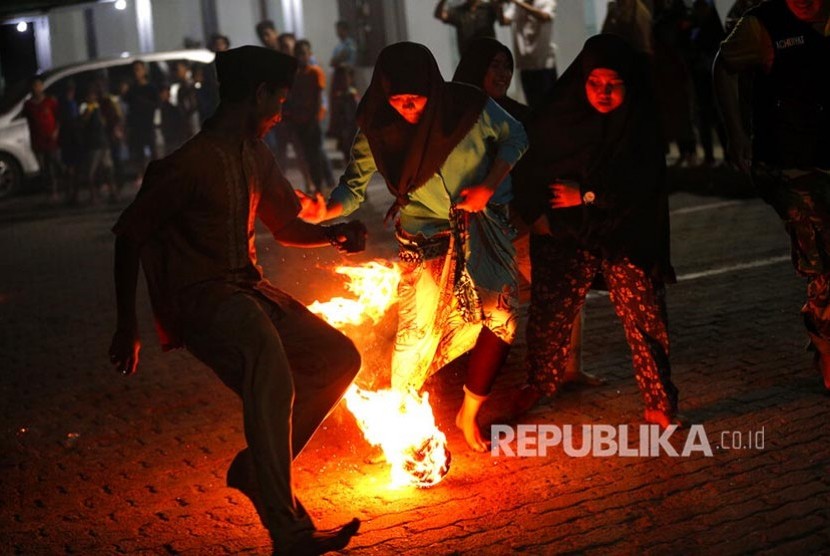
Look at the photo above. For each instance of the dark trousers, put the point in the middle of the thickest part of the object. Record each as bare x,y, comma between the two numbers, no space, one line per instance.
562,276
290,368
310,137
537,85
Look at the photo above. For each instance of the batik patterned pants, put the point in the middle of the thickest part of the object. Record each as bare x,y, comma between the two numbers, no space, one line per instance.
803,203
562,276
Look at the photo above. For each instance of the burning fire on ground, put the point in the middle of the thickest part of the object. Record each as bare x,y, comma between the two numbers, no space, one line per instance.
400,423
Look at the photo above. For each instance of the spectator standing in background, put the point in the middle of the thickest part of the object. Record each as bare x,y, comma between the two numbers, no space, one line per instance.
345,99
672,78
142,99
267,33
41,111
96,146
343,91
71,144
534,47
472,19
183,96
219,43
706,36
286,42
306,112
174,126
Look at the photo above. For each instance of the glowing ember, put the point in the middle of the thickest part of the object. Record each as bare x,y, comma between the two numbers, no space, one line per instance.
402,424
376,288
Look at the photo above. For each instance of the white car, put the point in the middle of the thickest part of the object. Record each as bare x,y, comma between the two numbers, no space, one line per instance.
17,161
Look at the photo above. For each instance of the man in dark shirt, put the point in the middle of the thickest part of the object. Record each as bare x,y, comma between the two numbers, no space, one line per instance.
191,227
473,19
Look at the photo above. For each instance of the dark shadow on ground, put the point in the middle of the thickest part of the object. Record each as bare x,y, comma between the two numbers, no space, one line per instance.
720,181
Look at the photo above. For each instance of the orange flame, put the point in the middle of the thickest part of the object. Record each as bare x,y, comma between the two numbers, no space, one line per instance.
376,288
401,423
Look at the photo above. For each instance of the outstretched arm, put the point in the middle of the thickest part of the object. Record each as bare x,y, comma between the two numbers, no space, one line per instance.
346,237
125,342
538,13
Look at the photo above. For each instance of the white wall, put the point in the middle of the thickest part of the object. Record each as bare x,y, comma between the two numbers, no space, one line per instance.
319,17
238,19
68,35
116,30
173,20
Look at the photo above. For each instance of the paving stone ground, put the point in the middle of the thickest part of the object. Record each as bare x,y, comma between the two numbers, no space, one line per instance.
95,463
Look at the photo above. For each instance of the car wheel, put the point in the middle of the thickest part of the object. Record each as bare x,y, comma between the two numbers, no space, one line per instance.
11,175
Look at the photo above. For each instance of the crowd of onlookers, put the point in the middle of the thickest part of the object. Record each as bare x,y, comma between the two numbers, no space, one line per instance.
102,135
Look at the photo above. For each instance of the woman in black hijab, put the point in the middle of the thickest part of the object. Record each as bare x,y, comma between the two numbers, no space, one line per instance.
597,164
445,151
488,64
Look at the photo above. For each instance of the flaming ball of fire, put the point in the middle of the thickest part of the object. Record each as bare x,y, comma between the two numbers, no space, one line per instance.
401,423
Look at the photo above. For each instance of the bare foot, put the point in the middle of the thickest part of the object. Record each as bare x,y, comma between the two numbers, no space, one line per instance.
663,419
472,434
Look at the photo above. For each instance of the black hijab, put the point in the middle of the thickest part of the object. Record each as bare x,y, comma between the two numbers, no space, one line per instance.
473,68
407,155
619,156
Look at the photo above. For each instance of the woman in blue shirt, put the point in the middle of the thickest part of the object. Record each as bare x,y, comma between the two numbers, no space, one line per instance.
445,151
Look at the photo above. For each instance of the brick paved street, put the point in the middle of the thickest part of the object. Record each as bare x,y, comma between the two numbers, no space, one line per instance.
95,463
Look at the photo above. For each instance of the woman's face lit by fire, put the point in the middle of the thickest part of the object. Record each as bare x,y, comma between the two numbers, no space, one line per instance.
605,90
410,107
806,10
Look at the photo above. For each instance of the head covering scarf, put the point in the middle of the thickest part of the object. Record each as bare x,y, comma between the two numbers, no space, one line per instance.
473,68
407,155
619,156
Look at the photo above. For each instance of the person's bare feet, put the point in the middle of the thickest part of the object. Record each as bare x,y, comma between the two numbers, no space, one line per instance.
465,420
472,434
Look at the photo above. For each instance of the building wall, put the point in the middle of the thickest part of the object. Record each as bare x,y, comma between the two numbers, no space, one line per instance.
237,19
116,30
67,32
319,17
174,20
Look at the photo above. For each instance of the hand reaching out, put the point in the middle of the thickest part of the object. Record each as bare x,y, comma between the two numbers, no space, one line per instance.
564,195
312,209
474,198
